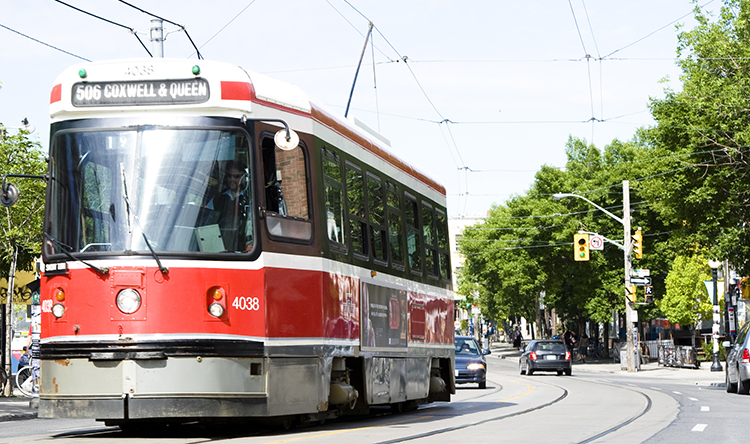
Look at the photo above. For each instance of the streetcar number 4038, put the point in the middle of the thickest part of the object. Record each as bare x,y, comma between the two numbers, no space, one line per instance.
246,303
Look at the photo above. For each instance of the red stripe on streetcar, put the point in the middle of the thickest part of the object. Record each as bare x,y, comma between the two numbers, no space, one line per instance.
237,91
56,94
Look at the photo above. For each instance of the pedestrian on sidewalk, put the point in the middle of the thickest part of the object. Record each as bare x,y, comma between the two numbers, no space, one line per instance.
517,338
584,347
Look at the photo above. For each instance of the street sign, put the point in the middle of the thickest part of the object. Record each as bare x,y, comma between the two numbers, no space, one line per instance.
640,272
596,242
641,281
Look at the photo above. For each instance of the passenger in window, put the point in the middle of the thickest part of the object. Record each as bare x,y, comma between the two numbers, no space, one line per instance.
232,206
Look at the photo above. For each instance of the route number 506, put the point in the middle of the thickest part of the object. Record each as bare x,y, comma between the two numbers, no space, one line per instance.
246,303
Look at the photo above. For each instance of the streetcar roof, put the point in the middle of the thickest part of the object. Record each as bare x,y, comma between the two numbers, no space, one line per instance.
199,87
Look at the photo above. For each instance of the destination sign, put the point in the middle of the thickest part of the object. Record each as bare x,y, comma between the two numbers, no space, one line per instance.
142,92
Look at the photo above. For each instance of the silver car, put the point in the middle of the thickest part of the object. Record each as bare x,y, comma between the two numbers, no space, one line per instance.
738,363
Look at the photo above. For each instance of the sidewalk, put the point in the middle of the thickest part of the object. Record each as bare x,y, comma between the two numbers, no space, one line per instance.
700,376
16,408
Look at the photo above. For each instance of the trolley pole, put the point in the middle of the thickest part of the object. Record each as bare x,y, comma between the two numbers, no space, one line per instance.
157,37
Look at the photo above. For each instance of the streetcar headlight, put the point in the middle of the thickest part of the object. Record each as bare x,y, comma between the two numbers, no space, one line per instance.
128,301
216,310
58,310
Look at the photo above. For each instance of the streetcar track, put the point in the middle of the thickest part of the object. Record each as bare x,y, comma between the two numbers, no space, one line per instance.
624,423
484,421
539,407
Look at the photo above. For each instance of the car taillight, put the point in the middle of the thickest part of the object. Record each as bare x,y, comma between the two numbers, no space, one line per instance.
532,356
567,356
745,357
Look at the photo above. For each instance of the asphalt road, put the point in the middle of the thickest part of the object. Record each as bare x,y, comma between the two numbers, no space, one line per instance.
589,406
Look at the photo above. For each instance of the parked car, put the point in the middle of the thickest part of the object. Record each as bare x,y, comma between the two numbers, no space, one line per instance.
547,355
738,363
471,367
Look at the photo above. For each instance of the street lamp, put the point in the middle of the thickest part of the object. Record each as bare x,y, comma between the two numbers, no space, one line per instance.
716,365
627,248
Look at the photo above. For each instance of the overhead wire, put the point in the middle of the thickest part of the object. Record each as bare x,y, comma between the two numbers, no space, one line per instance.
223,27
132,30
45,44
168,21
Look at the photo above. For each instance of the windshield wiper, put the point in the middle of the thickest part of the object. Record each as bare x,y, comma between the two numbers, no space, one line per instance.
64,248
164,270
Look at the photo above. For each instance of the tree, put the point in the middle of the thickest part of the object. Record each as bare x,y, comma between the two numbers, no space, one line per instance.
686,299
699,147
21,226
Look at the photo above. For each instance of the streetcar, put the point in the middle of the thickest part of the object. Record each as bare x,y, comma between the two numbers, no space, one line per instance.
218,247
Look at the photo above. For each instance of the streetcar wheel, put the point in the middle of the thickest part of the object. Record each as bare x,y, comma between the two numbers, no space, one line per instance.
397,407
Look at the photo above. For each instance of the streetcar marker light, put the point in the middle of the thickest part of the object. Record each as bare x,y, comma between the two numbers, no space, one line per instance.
59,294
217,293
58,310
216,310
82,73
196,69
128,301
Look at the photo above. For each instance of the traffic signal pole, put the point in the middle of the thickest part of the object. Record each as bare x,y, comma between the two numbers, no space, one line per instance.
627,243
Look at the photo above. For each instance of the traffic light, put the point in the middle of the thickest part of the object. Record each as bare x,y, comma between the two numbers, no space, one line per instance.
632,296
581,246
638,244
649,290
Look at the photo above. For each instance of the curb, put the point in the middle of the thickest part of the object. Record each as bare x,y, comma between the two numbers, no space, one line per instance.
17,416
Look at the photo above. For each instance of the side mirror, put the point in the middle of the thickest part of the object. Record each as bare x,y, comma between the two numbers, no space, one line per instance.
486,351
10,195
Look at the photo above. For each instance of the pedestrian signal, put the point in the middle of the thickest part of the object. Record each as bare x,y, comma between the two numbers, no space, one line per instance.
638,244
581,246
649,290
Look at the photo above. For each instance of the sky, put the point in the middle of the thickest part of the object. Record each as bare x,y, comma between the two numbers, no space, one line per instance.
478,94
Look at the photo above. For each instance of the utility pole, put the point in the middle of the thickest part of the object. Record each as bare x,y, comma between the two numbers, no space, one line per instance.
157,37
628,244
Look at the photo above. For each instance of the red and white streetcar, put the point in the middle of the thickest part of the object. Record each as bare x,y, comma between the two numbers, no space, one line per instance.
216,246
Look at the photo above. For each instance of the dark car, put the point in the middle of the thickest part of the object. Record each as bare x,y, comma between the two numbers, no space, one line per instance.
471,367
547,355
738,363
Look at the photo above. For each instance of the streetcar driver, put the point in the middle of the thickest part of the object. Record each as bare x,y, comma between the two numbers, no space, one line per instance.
233,205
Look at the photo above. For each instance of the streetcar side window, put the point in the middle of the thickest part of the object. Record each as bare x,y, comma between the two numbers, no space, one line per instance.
97,206
395,227
442,241
334,192
377,217
285,191
428,230
413,244
355,192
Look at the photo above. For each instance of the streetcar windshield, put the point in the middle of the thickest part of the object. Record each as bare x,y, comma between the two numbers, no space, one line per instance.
186,190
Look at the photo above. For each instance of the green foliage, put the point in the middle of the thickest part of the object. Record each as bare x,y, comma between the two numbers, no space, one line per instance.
21,224
708,351
686,299
698,149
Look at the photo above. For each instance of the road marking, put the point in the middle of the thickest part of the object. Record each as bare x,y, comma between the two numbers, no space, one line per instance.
699,427
655,388
705,408
693,399
676,393
531,389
